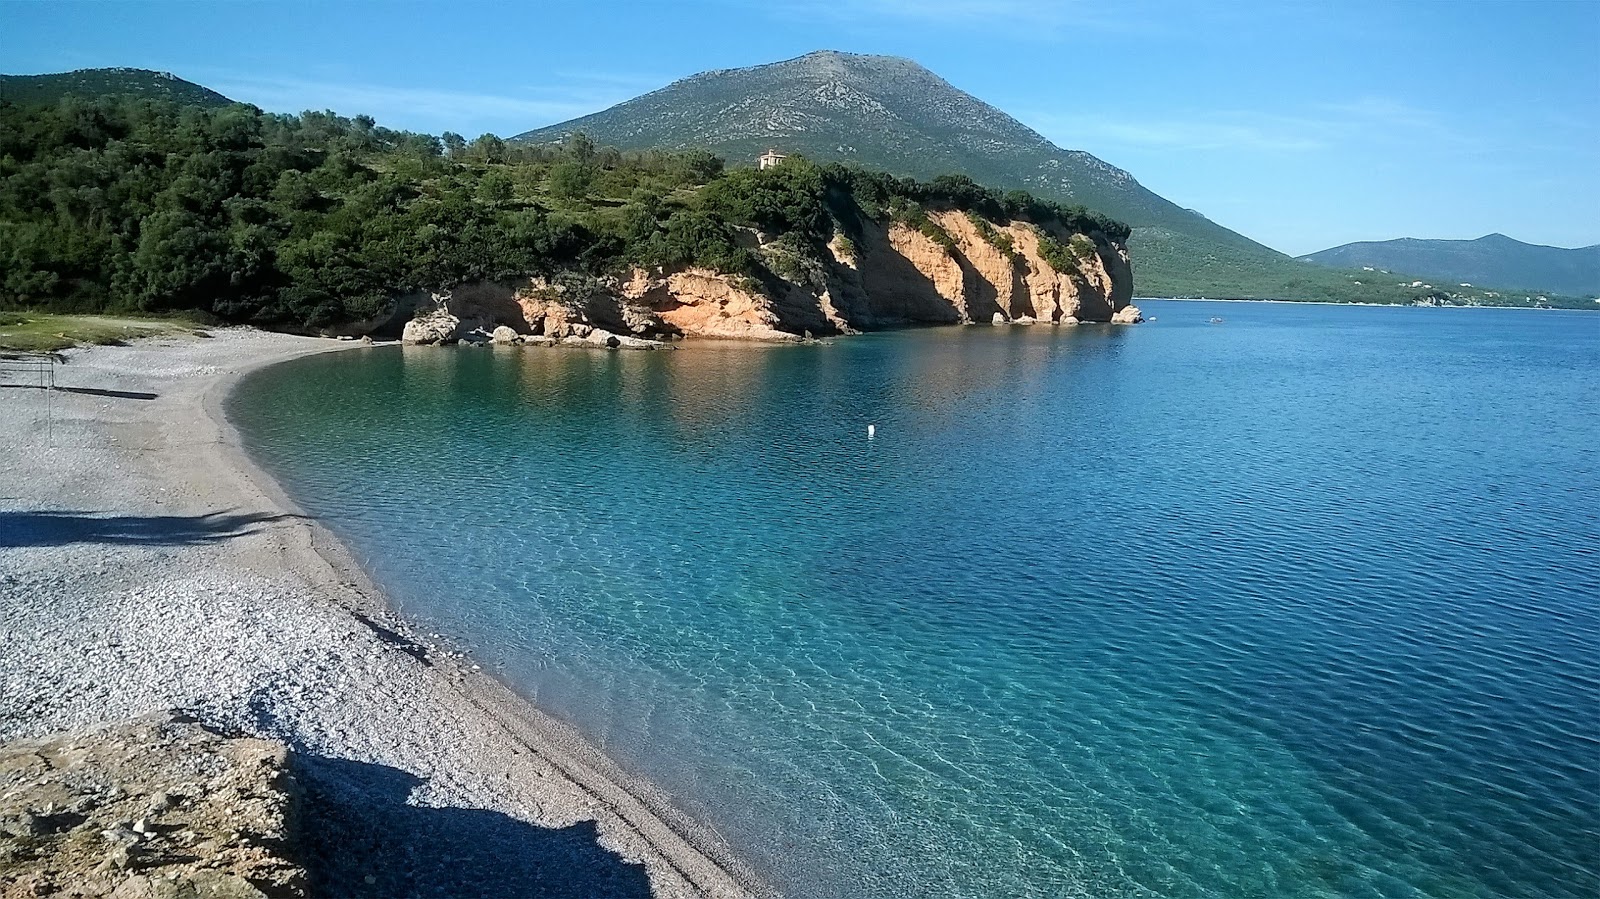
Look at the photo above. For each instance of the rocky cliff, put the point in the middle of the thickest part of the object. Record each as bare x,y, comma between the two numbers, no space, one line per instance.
952,268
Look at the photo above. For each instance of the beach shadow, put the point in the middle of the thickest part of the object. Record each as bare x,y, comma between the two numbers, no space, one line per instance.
114,394
89,391
396,639
359,838
53,528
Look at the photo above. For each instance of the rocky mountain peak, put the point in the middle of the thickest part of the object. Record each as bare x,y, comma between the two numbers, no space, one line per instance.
890,113
838,63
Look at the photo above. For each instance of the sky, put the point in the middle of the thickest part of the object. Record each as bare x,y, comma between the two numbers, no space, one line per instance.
1301,125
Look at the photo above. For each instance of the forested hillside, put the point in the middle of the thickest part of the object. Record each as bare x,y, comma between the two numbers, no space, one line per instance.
309,221
34,90
1493,259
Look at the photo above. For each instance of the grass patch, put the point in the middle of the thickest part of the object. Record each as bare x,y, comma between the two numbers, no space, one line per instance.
43,332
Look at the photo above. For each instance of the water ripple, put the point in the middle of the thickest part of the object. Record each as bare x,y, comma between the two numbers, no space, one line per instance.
1300,607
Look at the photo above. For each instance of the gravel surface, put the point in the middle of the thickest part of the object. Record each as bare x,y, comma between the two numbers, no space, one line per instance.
145,564
159,807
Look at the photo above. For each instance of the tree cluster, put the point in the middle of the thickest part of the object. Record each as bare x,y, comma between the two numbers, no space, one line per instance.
309,221
876,189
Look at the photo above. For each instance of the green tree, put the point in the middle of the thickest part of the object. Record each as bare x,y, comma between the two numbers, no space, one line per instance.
487,148
495,189
580,147
570,179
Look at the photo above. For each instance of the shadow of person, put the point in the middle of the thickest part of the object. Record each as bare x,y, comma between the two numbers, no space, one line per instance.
59,528
360,838
113,394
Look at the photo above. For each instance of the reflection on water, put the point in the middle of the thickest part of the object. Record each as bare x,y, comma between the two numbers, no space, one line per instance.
1298,606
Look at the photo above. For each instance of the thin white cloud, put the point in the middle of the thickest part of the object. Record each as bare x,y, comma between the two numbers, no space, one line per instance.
1315,126
1173,134
1024,19
430,109
962,10
290,95
635,82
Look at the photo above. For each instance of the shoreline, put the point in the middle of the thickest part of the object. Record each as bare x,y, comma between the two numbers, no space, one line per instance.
1365,305
376,692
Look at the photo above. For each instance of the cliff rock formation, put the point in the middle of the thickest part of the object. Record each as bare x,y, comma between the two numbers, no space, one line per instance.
905,277
957,269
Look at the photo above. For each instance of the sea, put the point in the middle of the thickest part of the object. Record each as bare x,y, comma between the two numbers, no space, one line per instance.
1249,600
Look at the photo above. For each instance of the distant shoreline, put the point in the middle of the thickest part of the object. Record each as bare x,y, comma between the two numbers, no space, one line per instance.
151,564
1375,305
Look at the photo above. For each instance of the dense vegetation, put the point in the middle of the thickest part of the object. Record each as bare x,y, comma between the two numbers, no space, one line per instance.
122,205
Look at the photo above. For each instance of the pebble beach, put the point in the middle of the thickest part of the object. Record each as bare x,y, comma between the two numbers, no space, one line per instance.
147,565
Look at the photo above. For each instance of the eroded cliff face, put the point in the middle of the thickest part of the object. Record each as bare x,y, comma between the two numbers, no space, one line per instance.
888,275
705,303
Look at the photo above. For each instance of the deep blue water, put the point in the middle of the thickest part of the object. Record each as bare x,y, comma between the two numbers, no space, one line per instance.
1302,604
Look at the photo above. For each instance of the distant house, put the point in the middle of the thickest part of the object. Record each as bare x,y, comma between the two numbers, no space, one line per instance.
769,159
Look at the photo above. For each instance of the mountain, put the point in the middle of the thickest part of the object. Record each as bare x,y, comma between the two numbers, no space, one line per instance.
1493,259
29,90
892,114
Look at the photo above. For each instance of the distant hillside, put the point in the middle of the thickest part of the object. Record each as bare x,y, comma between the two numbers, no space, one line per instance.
1492,260
27,90
889,113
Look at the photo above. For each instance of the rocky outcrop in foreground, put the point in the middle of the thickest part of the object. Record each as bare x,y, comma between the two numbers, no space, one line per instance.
162,808
955,269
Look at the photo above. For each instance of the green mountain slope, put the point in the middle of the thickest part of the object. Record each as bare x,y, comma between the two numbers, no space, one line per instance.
28,90
890,113
1493,259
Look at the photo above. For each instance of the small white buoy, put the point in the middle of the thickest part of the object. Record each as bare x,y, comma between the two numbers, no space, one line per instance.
872,431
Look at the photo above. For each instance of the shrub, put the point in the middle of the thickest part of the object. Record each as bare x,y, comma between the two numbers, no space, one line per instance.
914,216
999,240
1082,247
1052,251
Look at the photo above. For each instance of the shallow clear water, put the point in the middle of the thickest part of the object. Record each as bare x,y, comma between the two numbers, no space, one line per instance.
1303,604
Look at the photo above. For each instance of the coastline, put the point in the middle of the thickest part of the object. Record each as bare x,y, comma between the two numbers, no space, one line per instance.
1369,305
146,562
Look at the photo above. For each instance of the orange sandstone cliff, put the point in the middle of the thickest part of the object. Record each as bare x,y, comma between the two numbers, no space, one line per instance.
888,275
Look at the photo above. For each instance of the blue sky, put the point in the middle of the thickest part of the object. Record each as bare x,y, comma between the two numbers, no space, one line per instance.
1302,125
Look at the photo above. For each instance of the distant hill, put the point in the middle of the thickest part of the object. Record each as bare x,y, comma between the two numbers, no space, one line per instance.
1493,260
892,114
27,90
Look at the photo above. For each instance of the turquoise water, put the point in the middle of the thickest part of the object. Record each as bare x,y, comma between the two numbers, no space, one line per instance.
1303,604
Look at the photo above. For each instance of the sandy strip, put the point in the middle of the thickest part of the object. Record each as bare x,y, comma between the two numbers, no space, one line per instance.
146,564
